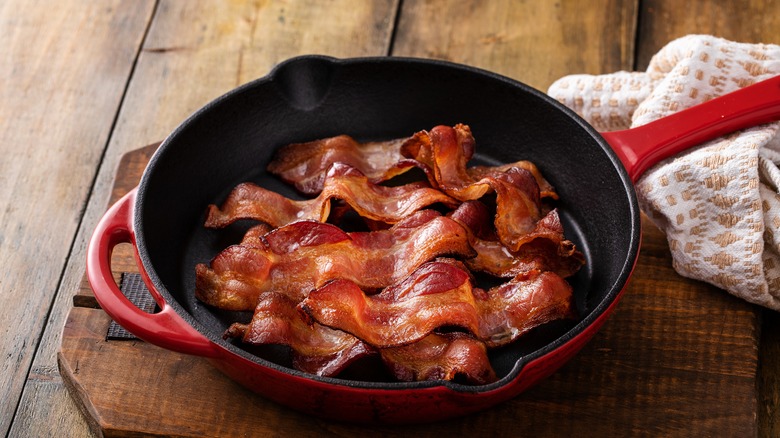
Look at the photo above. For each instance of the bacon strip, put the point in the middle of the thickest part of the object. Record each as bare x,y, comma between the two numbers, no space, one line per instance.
319,350
254,235
374,202
305,164
302,256
447,150
316,349
517,207
546,190
512,309
538,255
436,295
546,249
446,356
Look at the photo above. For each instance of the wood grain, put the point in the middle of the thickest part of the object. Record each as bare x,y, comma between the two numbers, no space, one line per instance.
66,65
84,346
662,21
769,376
194,52
60,90
535,42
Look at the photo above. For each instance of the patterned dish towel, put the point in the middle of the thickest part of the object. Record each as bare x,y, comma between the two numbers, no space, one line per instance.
718,203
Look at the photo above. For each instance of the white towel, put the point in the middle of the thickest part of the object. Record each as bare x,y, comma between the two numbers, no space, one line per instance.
718,203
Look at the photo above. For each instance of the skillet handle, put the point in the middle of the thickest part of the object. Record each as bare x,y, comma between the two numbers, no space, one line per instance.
166,328
642,147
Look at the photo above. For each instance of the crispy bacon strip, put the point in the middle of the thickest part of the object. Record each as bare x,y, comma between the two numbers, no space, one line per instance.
538,255
319,350
254,235
440,294
447,150
517,207
546,190
302,256
304,165
447,356
512,309
316,349
547,249
374,202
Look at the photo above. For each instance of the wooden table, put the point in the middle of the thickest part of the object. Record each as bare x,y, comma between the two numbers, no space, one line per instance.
85,83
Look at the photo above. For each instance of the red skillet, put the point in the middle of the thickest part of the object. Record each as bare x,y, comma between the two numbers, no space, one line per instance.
232,138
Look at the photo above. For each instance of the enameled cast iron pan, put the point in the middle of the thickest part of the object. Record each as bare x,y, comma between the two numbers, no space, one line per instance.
232,139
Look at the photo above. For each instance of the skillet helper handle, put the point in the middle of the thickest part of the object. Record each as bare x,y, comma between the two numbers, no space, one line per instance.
642,147
166,328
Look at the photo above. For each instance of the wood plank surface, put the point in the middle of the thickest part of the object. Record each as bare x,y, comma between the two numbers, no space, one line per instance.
689,354
194,52
674,369
62,82
553,39
745,21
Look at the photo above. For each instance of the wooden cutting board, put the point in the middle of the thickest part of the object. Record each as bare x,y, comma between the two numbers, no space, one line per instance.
677,358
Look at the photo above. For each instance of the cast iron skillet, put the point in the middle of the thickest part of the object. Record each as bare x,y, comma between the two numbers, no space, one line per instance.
232,138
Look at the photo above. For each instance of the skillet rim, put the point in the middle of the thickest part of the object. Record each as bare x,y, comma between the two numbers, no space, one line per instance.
577,330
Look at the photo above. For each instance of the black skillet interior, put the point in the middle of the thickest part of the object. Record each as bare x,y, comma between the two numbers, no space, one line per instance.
306,98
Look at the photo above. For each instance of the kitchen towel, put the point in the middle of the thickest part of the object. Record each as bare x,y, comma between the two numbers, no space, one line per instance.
719,202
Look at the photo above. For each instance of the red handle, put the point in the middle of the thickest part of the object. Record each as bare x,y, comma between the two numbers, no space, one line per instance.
642,147
166,328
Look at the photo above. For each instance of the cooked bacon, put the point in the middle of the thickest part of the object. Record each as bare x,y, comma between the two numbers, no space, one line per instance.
316,349
374,202
517,207
436,295
400,314
546,190
475,217
546,249
254,235
446,151
538,255
447,356
305,164
302,256
333,297
517,306
320,350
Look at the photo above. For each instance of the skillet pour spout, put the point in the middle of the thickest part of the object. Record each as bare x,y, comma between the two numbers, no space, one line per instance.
232,139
